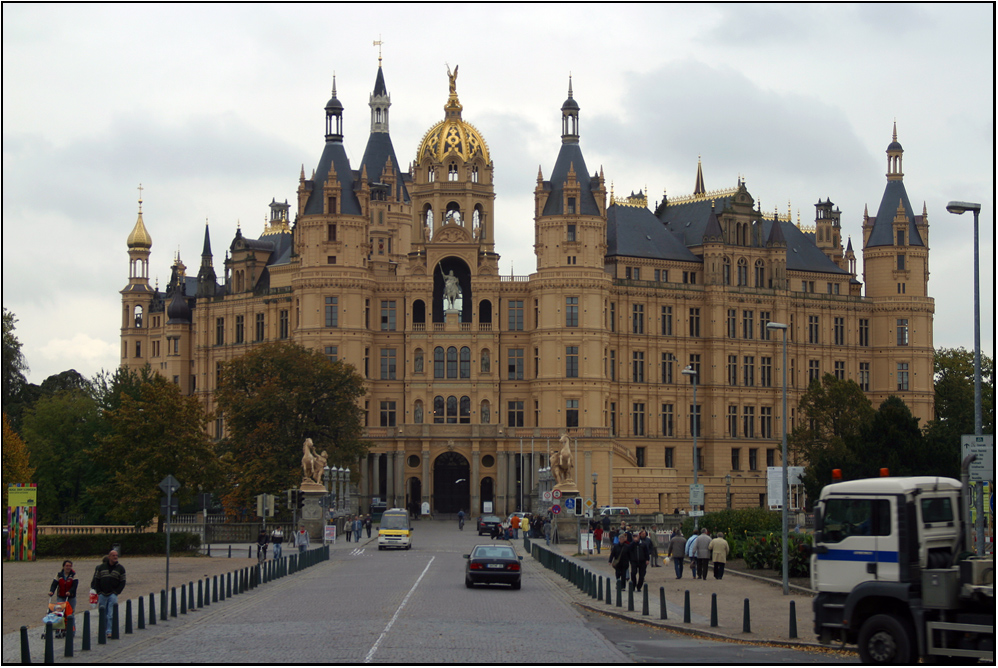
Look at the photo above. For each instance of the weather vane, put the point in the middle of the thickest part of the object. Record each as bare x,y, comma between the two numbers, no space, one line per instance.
378,44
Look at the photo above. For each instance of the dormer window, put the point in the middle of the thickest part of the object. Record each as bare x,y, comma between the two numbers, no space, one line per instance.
452,172
570,209
900,238
474,174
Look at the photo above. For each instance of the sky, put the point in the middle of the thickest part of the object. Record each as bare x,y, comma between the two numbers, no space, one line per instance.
215,109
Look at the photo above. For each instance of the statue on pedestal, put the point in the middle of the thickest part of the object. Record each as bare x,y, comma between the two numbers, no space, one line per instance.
563,465
312,464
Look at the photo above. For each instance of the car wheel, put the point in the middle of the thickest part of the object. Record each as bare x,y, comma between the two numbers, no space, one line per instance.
884,639
468,583
516,585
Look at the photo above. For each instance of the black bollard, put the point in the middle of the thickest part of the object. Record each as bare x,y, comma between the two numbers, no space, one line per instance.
228,585
114,622
630,597
249,552
663,610
200,599
793,619
214,589
183,600
209,549
644,603
686,608
102,625
746,619
173,601
142,613
162,605
599,593
25,648
49,649
85,644
620,596
713,610
190,596
230,551
152,609
70,632
609,592
128,616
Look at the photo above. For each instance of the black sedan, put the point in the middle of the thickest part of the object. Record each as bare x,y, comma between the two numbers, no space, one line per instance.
492,563
486,524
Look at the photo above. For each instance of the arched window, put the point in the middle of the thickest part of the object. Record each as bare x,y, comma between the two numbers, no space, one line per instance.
760,274
474,174
742,272
431,175
438,410
726,271
438,362
138,317
452,362
465,362
451,410
452,172
465,415
453,214
428,216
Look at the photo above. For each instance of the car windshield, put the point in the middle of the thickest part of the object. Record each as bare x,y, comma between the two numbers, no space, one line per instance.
493,552
394,522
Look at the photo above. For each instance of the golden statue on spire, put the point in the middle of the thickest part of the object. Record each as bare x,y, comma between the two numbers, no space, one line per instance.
453,79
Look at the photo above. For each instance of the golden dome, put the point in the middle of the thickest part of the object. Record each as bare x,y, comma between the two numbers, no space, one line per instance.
139,238
453,135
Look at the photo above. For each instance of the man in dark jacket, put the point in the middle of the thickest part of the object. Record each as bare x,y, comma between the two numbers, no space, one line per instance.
640,555
677,550
108,582
621,554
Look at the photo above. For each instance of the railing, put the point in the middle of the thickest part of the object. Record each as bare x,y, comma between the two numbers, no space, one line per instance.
70,529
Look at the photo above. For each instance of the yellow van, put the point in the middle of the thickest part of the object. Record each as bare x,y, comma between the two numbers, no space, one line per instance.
395,529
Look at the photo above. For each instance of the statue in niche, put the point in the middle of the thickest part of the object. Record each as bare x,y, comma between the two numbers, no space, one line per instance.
485,361
417,414
477,230
452,289
417,366
486,414
454,216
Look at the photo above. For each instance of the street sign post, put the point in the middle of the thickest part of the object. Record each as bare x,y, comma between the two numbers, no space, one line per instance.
169,485
982,468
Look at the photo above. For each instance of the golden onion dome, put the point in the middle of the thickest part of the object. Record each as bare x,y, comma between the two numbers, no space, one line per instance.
139,238
453,135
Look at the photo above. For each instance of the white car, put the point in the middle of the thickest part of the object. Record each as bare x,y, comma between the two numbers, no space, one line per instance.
615,510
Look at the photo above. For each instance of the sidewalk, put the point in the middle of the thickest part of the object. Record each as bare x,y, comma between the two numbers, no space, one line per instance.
769,609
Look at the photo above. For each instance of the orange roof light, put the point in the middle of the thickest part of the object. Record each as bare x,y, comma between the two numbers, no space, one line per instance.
885,473
836,474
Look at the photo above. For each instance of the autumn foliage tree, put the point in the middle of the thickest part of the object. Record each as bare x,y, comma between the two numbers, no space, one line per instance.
16,468
271,400
155,431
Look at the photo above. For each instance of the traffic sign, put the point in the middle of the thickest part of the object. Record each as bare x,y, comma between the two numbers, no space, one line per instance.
556,509
546,496
569,504
169,485
982,468
556,493
696,513
589,504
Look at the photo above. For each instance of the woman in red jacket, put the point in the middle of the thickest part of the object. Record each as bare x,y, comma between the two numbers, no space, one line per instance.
64,585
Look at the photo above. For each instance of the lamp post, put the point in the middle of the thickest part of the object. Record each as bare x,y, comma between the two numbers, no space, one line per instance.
346,488
327,477
784,486
694,426
958,208
595,504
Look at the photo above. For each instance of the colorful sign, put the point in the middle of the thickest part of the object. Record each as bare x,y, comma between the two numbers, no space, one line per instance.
22,522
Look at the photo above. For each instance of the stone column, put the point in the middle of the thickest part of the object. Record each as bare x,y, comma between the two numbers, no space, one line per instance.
512,497
401,484
586,485
476,483
363,488
390,478
528,481
375,477
425,486
500,486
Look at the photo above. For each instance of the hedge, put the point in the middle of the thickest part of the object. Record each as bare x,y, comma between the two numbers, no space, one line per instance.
130,544
737,523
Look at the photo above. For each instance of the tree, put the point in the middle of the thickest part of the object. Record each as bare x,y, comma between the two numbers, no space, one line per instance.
159,432
14,366
60,430
272,399
16,467
893,440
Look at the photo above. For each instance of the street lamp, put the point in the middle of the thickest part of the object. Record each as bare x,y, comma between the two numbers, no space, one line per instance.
785,484
958,208
691,372
595,503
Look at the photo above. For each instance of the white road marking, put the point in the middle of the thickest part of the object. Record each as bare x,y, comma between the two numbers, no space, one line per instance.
374,648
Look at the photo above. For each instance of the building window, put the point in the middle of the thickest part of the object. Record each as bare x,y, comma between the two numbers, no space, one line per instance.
571,413
902,376
695,363
864,376
638,419
515,313
438,362
638,318
284,324
571,362
700,467
332,353
760,274
613,418
387,413
613,365
901,262
733,421
639,455
748,324
331,229
387,364
732,370
766,422
764,319
240,328
813,371
694,322
902,330
515,364
465,366
748,421
813,329
742,272
260,327
438,410
666,321
220,331
613,317
570,231
840,331
332,312
638,367
387,316
753,459
732,326
864,332
736,454
726,271
749,370
668,421
571,311
770,456
514,414
452,362
667,360
765,372
840,370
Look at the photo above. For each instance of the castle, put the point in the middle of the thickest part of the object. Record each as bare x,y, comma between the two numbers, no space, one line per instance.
473,377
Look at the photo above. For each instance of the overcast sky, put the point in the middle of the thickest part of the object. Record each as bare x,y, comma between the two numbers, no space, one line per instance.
215,108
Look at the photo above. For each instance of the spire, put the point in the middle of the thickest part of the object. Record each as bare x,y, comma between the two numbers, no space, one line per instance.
699,188
206,274
894,156
206,249
139,237
380,100
334,117
570,118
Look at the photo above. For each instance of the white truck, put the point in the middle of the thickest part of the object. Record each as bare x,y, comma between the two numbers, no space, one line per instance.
894,577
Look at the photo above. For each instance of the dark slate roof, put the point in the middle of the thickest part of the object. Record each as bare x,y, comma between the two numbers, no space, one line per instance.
570,156
379,149
379,83
283,247
802,254
883,231
636,232
688,220
333,154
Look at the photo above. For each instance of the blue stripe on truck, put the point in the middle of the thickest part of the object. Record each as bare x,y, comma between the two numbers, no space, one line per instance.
879,556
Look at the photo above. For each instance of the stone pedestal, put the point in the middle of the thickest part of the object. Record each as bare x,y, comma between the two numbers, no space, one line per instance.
311,512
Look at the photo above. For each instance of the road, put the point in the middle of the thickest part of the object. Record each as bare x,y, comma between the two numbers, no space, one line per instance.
371,606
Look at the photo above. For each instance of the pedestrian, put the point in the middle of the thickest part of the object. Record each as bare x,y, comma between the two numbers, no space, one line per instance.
108,582
277,539
302,539
677,550
64,586
547,531
598,537
653,547
525,525
640,556
620,559
358,528
262,540
348,527
719,550
514,523
690,552
703,553
368,524
460,519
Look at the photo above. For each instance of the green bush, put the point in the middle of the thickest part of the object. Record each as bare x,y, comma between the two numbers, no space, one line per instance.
765,552
737,523
131,544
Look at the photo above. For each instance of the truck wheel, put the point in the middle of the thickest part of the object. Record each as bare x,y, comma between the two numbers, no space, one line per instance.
884,639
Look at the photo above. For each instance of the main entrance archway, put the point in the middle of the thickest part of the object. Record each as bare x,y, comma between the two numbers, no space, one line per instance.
450,483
